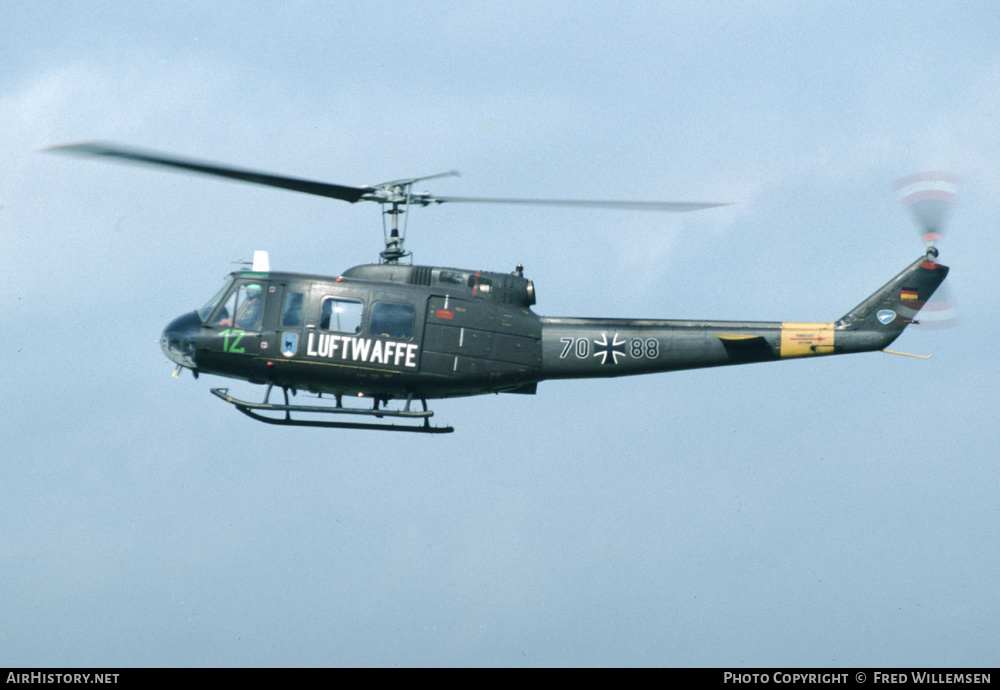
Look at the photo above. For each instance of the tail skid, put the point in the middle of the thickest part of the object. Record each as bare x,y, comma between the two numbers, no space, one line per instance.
906,354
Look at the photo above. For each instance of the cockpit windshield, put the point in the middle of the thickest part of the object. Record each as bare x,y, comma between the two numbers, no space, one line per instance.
207,310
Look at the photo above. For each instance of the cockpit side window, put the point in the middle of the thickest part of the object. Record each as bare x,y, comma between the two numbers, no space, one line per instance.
243,309
291,311
341,315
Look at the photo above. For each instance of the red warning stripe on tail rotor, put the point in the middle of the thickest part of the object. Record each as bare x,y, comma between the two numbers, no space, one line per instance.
926,186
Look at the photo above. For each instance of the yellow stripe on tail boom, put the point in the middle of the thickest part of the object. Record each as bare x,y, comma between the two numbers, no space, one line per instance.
803,339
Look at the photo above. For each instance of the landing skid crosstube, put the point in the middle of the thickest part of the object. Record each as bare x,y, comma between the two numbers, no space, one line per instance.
253,410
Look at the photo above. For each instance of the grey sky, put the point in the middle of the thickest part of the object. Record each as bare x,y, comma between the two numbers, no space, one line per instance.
837,512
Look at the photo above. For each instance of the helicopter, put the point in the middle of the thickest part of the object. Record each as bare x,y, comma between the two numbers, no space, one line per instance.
394,333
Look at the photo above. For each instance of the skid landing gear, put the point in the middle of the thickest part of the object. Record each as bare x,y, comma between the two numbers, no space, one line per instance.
254,410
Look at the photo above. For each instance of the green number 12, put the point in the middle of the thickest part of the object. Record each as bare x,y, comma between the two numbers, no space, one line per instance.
227,347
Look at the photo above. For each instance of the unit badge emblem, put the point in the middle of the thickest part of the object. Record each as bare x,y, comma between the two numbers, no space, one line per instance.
289,344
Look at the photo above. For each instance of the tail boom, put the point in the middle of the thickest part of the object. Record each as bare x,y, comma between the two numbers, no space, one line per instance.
592,348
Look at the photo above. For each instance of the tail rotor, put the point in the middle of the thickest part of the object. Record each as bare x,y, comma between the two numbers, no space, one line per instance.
931,196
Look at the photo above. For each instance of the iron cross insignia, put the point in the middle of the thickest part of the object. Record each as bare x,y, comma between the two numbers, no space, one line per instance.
602,348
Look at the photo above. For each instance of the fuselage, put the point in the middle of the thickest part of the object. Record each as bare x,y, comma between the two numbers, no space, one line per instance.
377,330
398,331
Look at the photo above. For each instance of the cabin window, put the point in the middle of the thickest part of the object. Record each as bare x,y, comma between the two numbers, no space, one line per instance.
291,311
341,315
392,320
244,308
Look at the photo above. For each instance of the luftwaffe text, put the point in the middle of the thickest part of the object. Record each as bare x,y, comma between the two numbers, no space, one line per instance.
368,350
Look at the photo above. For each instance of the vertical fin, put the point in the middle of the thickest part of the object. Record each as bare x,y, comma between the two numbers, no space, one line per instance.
896,304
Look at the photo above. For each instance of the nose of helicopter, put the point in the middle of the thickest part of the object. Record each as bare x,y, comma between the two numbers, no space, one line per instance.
178,339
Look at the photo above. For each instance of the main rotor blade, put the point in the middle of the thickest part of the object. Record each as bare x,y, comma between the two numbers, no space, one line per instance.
666,206
99,149
385,192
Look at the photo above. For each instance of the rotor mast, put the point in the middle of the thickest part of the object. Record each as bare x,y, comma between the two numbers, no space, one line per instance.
399,195
394,239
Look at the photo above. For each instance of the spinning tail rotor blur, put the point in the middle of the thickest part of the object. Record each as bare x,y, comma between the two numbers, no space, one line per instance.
931,196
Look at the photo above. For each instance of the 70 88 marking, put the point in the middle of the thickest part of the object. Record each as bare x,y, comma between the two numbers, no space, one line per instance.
638,348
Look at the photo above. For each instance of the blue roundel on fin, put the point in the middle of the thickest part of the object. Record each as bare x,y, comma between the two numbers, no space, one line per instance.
886,316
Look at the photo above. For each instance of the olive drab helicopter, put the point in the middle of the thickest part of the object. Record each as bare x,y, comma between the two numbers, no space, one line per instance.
370,342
